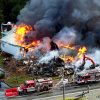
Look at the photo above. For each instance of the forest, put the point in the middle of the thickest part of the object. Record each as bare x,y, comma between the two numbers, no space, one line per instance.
9,10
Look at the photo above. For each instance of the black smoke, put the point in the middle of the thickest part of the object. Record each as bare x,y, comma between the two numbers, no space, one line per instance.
48,17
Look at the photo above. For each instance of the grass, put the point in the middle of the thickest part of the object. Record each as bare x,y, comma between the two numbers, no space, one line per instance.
16,80
1,61
56,78
1,57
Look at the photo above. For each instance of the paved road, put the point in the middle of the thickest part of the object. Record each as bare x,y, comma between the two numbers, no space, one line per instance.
55,93
92,95
3,87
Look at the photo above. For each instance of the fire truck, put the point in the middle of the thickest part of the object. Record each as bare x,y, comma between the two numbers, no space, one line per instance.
86,76
92,74
39,85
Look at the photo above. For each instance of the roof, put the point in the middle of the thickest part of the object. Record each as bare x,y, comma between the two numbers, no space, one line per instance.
10,37
11,49
8,44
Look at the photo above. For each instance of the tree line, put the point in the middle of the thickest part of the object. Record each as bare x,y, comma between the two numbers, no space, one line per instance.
9,10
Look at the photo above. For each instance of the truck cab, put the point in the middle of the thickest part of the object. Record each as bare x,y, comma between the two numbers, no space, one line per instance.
92,75
28,86
37,85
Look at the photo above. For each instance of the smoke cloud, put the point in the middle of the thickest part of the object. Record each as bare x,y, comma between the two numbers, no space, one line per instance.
49,56
94,54
66,36
69,21
48,17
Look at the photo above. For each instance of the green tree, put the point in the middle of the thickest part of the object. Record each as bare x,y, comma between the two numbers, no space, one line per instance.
1,17
9,9
17,6
2,74
14,12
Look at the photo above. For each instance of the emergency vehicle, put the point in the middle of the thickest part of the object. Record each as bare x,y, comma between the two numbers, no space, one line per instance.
30,86
92,74
86,76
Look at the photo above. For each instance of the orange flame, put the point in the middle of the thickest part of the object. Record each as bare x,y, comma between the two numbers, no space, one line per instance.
69,47
81,51
20,33
23,29
67,59
70,59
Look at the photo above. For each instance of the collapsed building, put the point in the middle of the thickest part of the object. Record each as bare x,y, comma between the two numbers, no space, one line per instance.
59,33
49,64
8,44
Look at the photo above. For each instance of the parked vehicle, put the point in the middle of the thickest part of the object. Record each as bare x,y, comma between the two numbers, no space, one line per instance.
92,74
30,86
86,76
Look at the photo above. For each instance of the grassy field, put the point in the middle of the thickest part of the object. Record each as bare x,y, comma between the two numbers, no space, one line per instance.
16,80
1,61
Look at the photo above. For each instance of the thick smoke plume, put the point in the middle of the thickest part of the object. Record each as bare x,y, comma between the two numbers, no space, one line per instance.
67,21
66,36
49,16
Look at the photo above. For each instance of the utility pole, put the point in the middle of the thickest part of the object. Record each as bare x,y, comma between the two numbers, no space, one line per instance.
63,83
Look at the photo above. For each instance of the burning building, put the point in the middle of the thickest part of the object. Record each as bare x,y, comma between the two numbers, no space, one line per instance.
49,29
8,44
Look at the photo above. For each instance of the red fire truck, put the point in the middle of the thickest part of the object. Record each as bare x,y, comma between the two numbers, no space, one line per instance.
92,74
30,86
87,76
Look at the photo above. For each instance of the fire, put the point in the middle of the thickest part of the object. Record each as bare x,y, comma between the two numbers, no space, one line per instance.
63,57
63,45
69,47
33,44
67,59
21,32
81,51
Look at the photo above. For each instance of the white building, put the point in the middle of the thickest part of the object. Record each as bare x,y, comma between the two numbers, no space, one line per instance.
8,43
